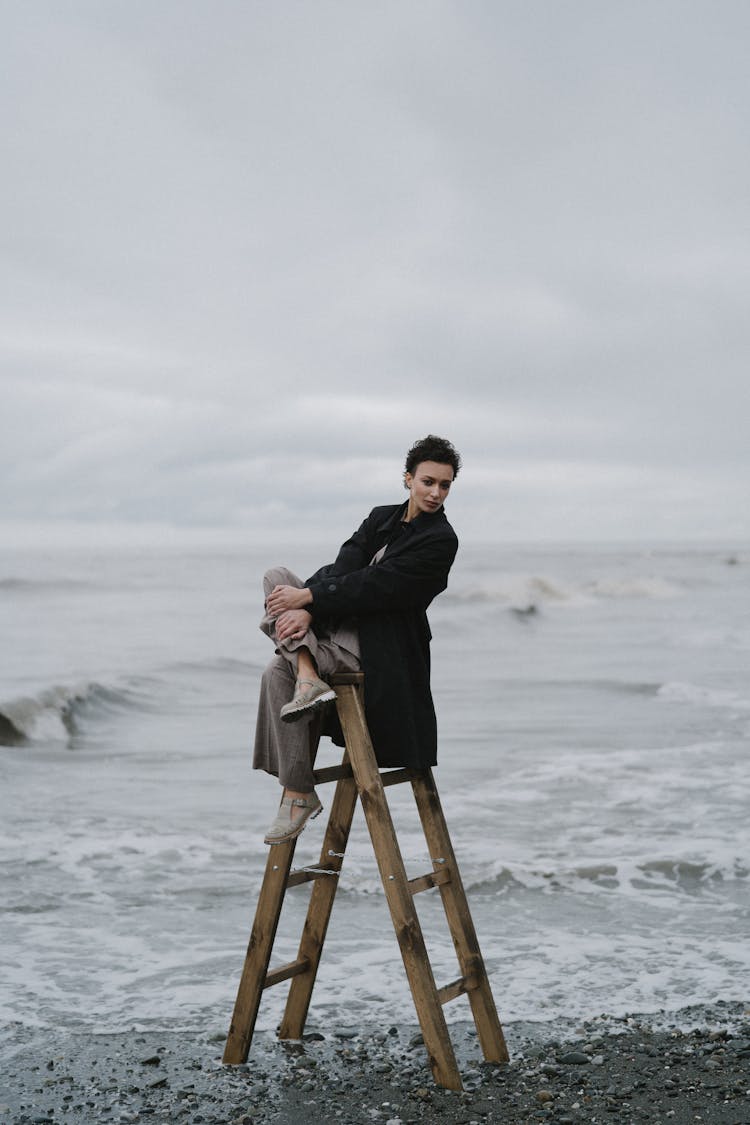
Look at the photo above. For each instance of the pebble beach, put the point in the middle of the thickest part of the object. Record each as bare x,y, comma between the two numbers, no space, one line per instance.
690,1066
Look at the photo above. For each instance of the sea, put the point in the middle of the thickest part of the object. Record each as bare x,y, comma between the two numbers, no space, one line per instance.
594,725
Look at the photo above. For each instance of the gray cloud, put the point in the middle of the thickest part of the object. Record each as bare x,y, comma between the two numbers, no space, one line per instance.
251,251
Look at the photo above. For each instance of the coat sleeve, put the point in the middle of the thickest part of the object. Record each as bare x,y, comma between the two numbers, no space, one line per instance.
411,576
355,554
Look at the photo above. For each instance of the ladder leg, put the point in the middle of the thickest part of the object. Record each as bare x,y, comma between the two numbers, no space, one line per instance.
260,946
459,918
267,914
321,904
400,901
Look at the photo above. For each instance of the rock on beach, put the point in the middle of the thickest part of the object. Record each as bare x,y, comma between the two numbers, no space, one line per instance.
687,1067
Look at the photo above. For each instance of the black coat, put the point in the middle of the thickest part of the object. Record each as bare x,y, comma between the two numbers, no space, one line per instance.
389,601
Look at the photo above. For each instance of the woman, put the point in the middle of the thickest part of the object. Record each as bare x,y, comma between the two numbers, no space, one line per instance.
366,610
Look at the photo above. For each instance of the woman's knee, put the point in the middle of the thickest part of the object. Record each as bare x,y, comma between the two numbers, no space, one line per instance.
279,576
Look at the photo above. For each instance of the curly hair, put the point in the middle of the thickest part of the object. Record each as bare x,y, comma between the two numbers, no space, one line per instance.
433,448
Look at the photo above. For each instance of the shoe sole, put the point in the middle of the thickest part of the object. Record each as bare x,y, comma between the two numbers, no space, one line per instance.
314,705
297,831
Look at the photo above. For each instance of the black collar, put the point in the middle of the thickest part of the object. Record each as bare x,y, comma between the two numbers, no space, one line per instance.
420,522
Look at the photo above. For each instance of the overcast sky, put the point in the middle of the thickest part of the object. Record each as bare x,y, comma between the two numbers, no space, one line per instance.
252,250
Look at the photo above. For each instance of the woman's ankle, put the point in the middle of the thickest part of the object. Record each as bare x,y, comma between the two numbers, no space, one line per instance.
296,795
306,669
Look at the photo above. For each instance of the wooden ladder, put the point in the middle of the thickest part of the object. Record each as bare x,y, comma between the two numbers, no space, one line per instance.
359,776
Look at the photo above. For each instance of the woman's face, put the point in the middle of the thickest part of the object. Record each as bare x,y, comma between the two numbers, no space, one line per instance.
428,486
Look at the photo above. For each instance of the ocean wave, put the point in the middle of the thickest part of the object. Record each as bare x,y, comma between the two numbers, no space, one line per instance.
627,877
678,691
57,712
689,874
524,593
219,666
13,583
644,587
519,592
685,876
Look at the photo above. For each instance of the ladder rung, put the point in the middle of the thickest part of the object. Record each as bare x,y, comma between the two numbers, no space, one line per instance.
431,879
284,972
332,773
456,988
336,773
396,777
307,874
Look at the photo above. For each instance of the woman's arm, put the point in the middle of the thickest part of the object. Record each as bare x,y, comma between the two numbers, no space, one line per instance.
354,554
411,575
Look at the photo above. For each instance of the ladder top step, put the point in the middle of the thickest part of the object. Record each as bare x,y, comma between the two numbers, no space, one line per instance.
341,678
332,773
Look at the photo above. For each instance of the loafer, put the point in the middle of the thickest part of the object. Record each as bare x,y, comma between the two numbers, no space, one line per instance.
286,826
309,696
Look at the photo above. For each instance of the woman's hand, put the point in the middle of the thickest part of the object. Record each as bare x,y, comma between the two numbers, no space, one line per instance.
283,598
292,624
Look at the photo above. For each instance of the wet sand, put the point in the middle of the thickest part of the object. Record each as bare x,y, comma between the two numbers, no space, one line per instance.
689,1066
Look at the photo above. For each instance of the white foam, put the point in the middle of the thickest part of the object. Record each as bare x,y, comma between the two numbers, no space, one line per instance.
517,590
43,716
636,587
522,590
597,803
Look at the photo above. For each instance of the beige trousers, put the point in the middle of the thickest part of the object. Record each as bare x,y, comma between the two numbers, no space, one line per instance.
283,749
